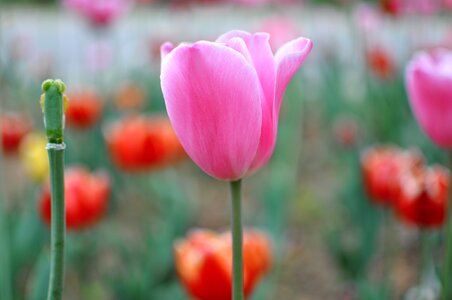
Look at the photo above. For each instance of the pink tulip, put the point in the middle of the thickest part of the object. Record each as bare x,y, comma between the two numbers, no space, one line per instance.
99,12
429,81
223,98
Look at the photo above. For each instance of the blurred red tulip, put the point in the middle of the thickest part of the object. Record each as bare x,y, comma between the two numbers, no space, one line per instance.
346,131
392,7
86,197
204,263
382,168
130,96
13,127
84,110
380,63
141,143
423,197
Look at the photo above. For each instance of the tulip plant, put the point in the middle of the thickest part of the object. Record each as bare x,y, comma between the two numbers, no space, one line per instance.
223,99
428,79
53,103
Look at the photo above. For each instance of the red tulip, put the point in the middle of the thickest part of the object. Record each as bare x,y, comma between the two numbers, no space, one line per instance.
392,7
84,110
204,263
13,128
382,167
141,143
86,197
423,197
346,131
380,63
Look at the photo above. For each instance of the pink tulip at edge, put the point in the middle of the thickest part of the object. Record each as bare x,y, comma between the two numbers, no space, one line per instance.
223,98
98,12
429,82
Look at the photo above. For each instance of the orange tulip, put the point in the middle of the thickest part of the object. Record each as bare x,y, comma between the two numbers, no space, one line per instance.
204,263
140,143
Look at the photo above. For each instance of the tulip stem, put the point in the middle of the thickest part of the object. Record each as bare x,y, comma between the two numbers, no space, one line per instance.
237,256
5,274
53,108
425,247
448,250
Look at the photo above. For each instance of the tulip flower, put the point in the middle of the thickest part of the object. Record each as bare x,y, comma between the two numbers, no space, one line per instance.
423,197
382,168
428,80
34,156
13,129
380,63
203,262
86,197
130,96
223,98
98,12
346,131
154,143
84,110
393,7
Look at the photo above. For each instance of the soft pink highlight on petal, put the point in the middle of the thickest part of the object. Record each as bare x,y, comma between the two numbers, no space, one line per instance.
165,49
428,80
213,99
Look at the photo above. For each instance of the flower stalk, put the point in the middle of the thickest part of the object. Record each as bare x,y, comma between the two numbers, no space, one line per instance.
237,241
53,105
448,249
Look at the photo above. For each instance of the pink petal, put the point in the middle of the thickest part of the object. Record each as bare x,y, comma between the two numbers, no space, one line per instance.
288,59
262,58
213,98
429,78
165,49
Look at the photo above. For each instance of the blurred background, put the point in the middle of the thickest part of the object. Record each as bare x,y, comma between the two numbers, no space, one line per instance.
131,191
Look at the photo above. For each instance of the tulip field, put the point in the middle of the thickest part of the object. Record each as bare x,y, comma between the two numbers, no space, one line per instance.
225,149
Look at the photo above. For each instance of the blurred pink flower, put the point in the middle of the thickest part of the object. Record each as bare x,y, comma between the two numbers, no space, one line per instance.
98,12
428,81
281,30
426,7
223,98
447,4
367,17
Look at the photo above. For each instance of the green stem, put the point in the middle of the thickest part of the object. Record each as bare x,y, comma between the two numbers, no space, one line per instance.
237,256
425,246
448,250
53,108
5,274
56,159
